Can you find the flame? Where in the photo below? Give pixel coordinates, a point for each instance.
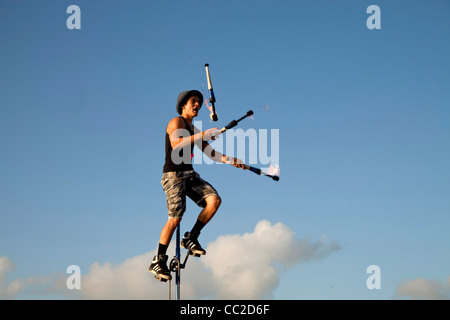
(210, 109)
(205, 94)
(274, 170)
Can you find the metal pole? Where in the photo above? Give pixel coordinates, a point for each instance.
(170, 289)
(178, 256)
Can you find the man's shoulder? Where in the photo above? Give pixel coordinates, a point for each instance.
(176, 123)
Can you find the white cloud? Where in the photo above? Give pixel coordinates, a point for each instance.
(8, 291)
(245, 266)
(421, 288)
(49, 284)
(129, 280)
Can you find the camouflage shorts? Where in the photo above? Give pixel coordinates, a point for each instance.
(178, 185)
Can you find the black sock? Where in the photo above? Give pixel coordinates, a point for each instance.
(197, 227)
(162, 249)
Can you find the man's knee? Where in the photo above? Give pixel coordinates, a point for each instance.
(213, 201)
(173, 223)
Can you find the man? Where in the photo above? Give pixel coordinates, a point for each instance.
(180, 180)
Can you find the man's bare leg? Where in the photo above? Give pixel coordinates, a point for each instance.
(212, 205)
(168, 230)
(159, 263)
(189, 240)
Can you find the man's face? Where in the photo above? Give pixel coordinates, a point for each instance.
(192, 106)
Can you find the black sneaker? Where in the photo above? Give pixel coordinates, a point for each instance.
(159, 268)
(190, 243)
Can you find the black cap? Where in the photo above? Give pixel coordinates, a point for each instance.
(184, 96)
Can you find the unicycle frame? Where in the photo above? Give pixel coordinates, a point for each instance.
(176, 266)
(179, 266)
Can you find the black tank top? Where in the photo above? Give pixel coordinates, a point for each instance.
(186, 163)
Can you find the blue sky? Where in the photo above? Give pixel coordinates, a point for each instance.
(362, 117)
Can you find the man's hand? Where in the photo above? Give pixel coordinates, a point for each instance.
(235, 162)
(210, 134)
